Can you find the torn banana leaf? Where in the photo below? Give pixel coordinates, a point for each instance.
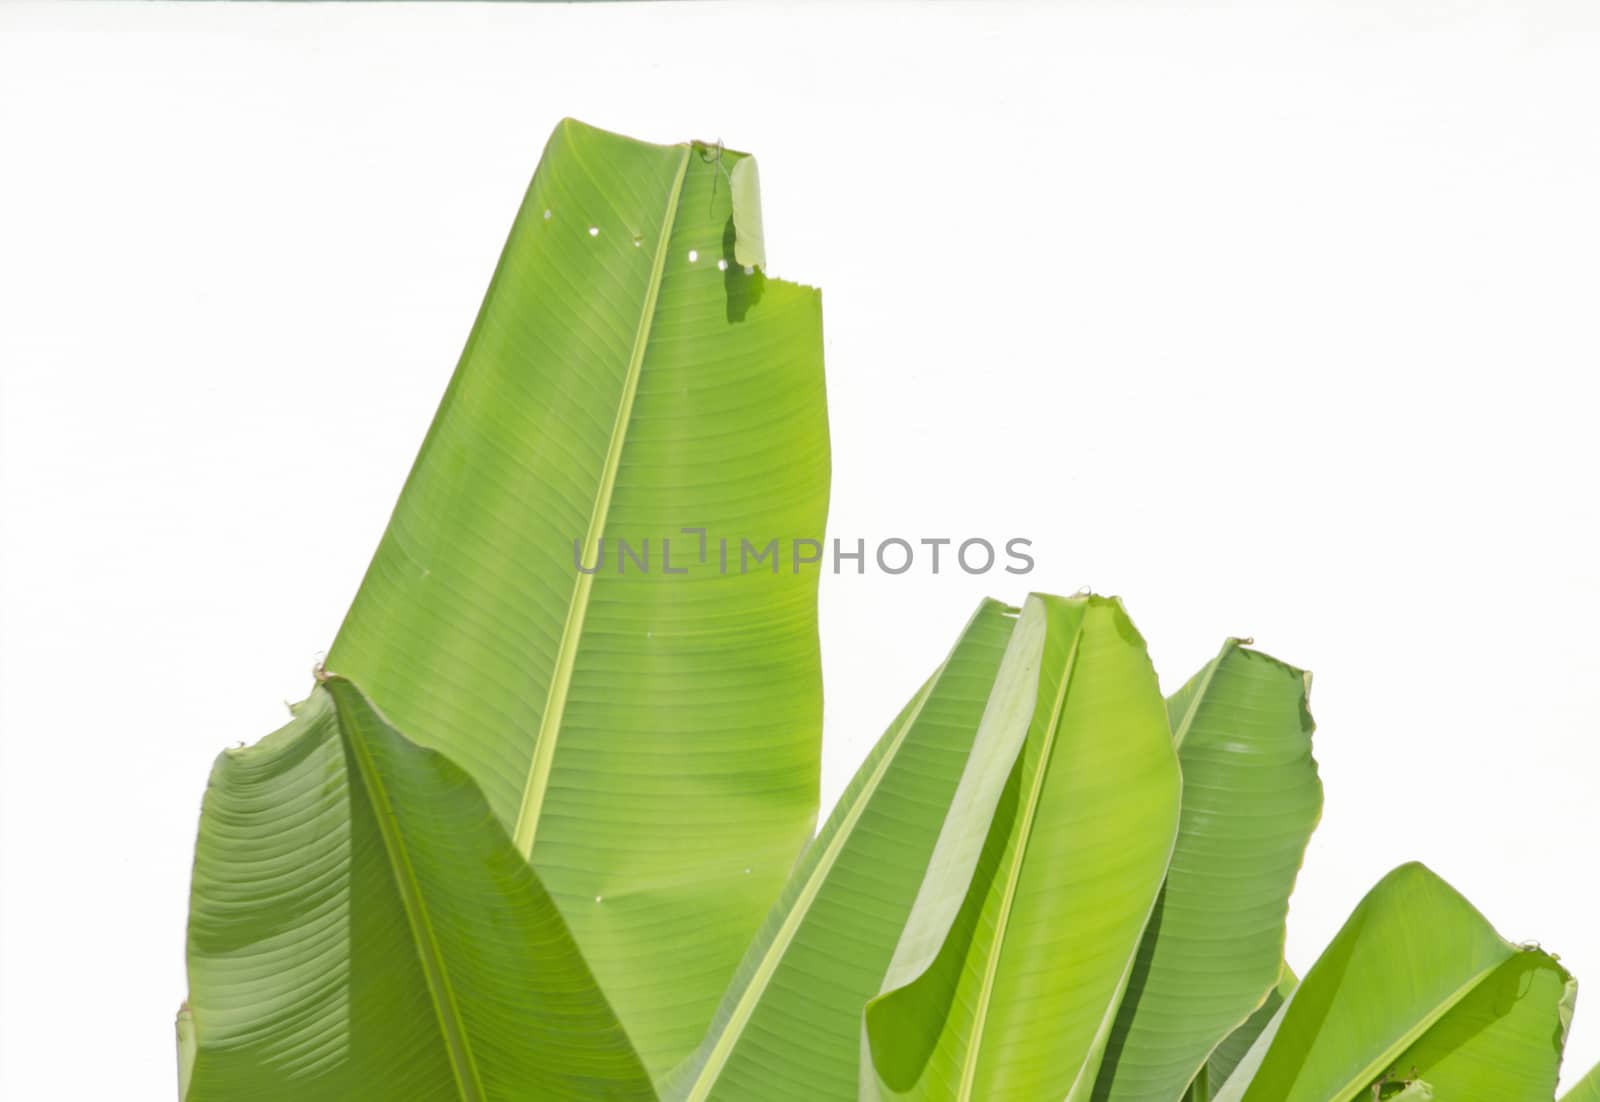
(641, 705)
(1416, 988)
(361, 927)
(1214, 947)
(1007, 978)
(789, 1027)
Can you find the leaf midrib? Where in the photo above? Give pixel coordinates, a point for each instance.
(544, 746)
(440, 992)
(1375, 1068)
(969, 1069)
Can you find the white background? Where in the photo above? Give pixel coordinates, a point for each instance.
(1275, 320)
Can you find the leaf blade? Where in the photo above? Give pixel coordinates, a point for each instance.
(647, 735)
(1214, 947)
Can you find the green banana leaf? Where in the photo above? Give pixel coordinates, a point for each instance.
(649, 733)
(789, 1026)
(1214, 947)
(1006, 981)
(1586, 1089)
(1227, 1056)
(1416, 988)
(361, 927)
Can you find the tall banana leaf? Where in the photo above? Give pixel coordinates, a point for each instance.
(1214, 947)
(1586, 1089)
(1006, 981)
(648, 732)
(1418, 992)
(789, 1025)
(362, 927)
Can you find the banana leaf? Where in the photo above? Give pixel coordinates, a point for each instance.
(789, 1026)
(640, 704)
(1416, 993)
(1214, 948)
(361, 926)
(1006, 981)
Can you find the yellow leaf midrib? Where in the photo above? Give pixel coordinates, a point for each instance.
(440, 990)
(544, 747)
(969, 1068)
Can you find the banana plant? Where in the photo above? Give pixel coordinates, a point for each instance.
(533, 834)
(641, 705)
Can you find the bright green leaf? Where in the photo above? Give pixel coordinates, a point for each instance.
(789, 1027)
(1006, 982)
(1417, 985)
(1214, 947)
(650, 737)
(362, 927)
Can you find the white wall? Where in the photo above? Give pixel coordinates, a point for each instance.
(1276, 320)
